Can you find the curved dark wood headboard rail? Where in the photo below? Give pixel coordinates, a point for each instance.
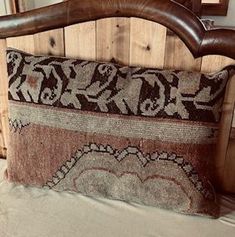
(166, 12)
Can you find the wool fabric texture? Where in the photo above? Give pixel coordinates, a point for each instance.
(136, 134)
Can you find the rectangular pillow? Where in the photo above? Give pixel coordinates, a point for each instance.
(135, 134)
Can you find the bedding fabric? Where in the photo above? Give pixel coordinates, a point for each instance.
(33, 212)
(134, 134)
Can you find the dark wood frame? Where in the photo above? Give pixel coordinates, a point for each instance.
(14, 5)
(206, 9)
(196, 6)
(193, 5)
(218, 9)
(166, 12)
(17, 6)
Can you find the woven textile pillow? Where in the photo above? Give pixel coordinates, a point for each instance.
(133, 134)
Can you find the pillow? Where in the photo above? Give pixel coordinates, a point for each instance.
(136, 134)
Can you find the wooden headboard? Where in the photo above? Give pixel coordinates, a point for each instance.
(155, 33)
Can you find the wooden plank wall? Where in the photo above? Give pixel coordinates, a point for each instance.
(118, 39)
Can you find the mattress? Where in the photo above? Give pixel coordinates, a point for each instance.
(33, 212)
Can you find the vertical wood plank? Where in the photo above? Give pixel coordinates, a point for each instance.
(222, 162)
(213, 63)
(3, 148)
(226, 147)
(230, 167)
(50, 42)
(233, 125)
(113, 39)
(178, 56)
(3, 100)
(24, 43)
(80, 41)
(147, 43)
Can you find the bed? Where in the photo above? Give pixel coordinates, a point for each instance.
(171, 36)
(35, 212)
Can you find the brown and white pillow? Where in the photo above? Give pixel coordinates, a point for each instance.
(128, 133)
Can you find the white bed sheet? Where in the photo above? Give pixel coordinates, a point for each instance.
(32, 212)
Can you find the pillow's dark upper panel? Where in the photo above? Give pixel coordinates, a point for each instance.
(110, 88)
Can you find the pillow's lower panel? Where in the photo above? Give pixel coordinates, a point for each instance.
(156, 162)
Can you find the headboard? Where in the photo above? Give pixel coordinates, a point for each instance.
(155, 33)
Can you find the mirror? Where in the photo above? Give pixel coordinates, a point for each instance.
(16, 6)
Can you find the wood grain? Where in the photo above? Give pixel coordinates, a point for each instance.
(24, 43)
(229, 178)
(113, 40)
(83, 43)
(233, 124)
(3, 148)
(232, 134)
(50, 42)
(218, 9)
(194, 5)
(3, 100)
(213, 63)
(223, 162)
(147, 43)
(178, 56)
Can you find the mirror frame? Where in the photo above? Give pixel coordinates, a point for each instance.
(193, 5)
(215, 9)
(206, 9)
